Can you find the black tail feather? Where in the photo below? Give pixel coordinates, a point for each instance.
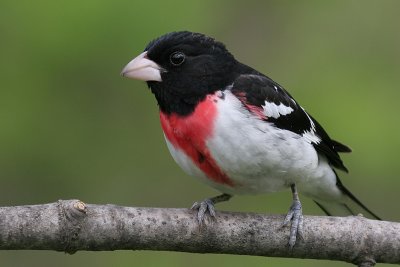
(350, 205)
(339, 147)
(355, 200)
(323, 208)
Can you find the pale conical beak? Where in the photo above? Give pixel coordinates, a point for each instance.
(143, 69)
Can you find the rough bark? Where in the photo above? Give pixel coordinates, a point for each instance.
(72, 225)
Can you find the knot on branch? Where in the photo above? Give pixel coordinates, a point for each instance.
(367, 262)
(71, 216)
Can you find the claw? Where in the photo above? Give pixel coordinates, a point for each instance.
(204, 207)
(295, 216)
(207, 207)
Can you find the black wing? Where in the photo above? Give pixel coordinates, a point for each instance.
(260, 93)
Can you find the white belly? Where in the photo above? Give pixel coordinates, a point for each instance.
(257, 156)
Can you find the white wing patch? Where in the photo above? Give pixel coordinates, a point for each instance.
(275, 111)
(310, 135)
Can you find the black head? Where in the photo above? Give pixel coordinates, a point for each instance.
(181, 68)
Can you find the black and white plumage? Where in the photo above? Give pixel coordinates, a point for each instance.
(238, 130)
(283, 111)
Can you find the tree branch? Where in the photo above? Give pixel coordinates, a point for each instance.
(71, 225)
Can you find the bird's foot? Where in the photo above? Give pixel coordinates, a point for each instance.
(203, 208)
(295, 215)
(206, 207)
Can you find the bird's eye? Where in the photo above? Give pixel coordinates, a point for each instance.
(177, 58)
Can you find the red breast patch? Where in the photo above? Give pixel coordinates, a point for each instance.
(190, 133)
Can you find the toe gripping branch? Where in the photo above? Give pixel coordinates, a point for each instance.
(207, 206)
(295, 216)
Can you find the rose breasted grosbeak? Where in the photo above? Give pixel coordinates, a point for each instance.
(238, 130)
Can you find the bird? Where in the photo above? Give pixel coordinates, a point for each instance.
(239, 131)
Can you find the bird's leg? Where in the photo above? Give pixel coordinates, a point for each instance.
(295, 215)
(207, 206)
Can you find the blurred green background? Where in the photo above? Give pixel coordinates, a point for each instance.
(71, 127)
